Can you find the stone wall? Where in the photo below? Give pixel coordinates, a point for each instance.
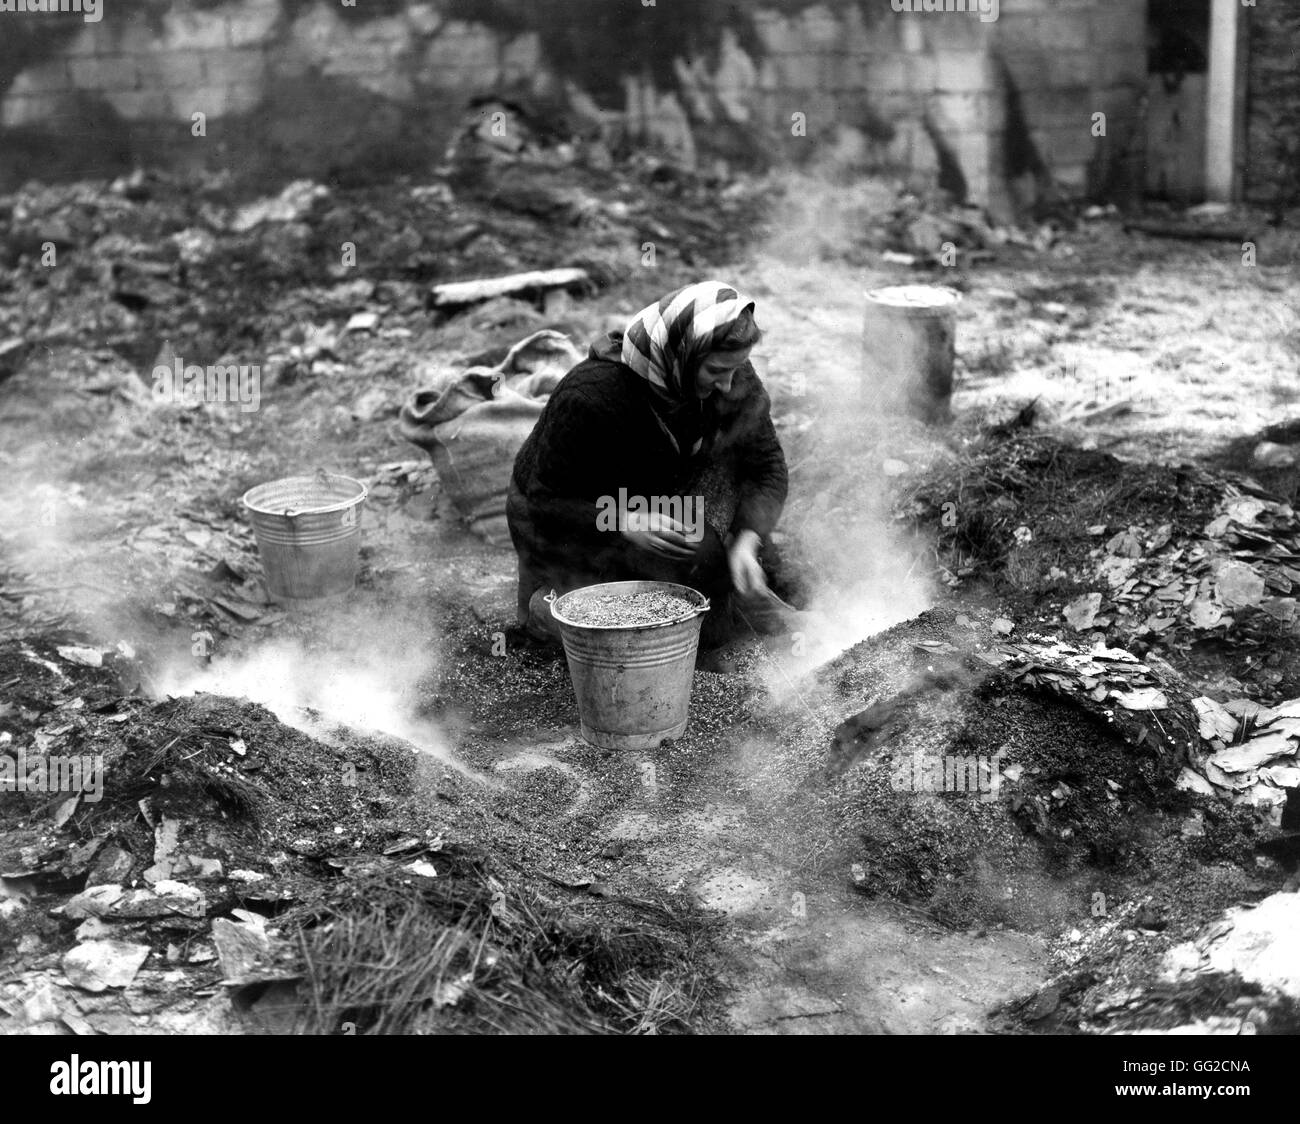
(1273, 104)
(286, 87)
(1000, 109)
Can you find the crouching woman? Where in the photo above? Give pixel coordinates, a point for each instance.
(654, 459)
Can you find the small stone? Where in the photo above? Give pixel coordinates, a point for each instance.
(423, 868)
(85, 657)
(99, 965)
(196, 866)
(1267, 454)
(1125, 545)
(362, 322)
(1204, 613)
(166, 898)
(42, 1005)
(1238, 585)
(202, 954)
(1185, 957)
(93, 902)
(112, 866)
(1082, 611)
(78, 1025)
(92, 929)
(242, 946)
(1043, 1004)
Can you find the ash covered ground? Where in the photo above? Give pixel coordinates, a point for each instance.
(381, 816)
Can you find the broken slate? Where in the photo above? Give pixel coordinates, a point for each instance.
(1238, 585)
(112, 867)
(94, 901)
(242, 946)
(1082, 611)
(99, 965)
(167, 898)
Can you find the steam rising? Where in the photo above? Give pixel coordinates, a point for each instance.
(363, 672)
(865, 577)
(310, 689)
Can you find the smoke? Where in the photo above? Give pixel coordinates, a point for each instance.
(308, 689)
(867, 580)
(817, 221)
(845, 453)
(49, 553)
(356, 665)
(365, 673)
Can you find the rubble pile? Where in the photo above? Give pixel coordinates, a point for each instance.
(1234, 974)
(1252, 752)
(147, 261)
(990, 780)
(1240, 575)
(218, 871)
(1238, 750)
(1197, 564)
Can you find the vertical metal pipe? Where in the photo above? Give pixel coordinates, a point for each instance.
(1221, 103)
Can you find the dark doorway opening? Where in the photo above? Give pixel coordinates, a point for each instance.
(1178, 54)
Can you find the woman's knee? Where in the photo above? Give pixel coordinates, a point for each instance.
(541, 624)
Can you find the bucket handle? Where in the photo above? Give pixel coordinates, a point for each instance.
(322, 478)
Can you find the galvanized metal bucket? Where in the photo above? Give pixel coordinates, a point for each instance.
(909, 339)
(632, 683)
(308, 532)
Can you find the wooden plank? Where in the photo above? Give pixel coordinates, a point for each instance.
(458, 293)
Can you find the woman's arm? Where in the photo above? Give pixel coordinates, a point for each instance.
(763, 485)
(764, 479)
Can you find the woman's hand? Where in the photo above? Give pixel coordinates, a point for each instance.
(746, 573)
(659, 534)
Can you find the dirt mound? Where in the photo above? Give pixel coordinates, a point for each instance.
(1200, 565)
(227, 872)
(915, 770)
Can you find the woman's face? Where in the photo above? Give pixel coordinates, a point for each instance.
(717, 370)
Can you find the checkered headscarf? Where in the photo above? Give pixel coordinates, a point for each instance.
(664, 341)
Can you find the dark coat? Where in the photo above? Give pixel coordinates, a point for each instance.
(600, 432)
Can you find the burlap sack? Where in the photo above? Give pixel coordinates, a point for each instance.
(474, 422)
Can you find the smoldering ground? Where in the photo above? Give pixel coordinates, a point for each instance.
(356, 663)
(860, 569)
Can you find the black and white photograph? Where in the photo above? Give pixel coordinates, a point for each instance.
(651, 517)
